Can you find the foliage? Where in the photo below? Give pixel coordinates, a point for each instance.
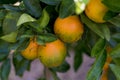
(35, 18)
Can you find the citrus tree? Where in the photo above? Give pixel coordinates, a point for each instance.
(48, 29)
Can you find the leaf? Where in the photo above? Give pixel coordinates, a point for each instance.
(20, 64)
(66, 8)
(44, 19)
(10, 22)
(11, 37)
(33, 7)
(116, 37)
(98, 47)
(43, 38)
(64, 67)
(113, 5)
(115, 21)
(51, 2)
(96, 69)
(93, 26)
(116, 70)
(109, 15)
(25, 18)
(100, 29)
(115, 53)
(77, 58)
(4, 50)
(5, 69)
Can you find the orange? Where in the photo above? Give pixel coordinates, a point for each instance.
(96, 10)
(30, 52)
(52, 54)
(69, 29)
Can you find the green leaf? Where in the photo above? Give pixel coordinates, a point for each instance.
(51, 2)
(116, 37)
(116, 70)
(78, 57)
(96, 69)
(115, 21)
(11, 37)
(4, 50)
(100, 29)
(33, 7)
(64, 67)
(113, 5)
(20, 63)
(109, 15)
(98, 47)
(93, 26)
(115, 53)
(66, 8)
(5, 69)
(44, 19)
(43, 38)
(10, 22)
(25, 18)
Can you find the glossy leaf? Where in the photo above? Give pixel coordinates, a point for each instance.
(115, 21)
(100, 29)
(10, 22)
(25, 18)
(66, 8)
(33, 7)
(43, 20)
(116, 70)
(20, 64)
(51, 2)
(4, 50)
(97, 67)
(43, 38)
(113, 5)
(11, 37)
(115, 53)
(109, 15)
(78, 57)
(98, 47)
(5, 69)
(93, 26)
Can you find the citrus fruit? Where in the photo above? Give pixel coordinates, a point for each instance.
(69, 29)
(30, 52)
(95, 10)
(52, 54)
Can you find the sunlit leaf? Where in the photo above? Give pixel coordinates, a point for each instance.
(97, 67)
(98, 47)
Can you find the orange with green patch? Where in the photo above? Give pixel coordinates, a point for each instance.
(52, 54)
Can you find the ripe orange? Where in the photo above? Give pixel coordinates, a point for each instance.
(69, 29)
(96, 10)
(52, 54)
(30, 52)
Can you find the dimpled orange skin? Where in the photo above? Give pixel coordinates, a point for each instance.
(52, 54)
(68, 29)
(95, 10)
(30, 52)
